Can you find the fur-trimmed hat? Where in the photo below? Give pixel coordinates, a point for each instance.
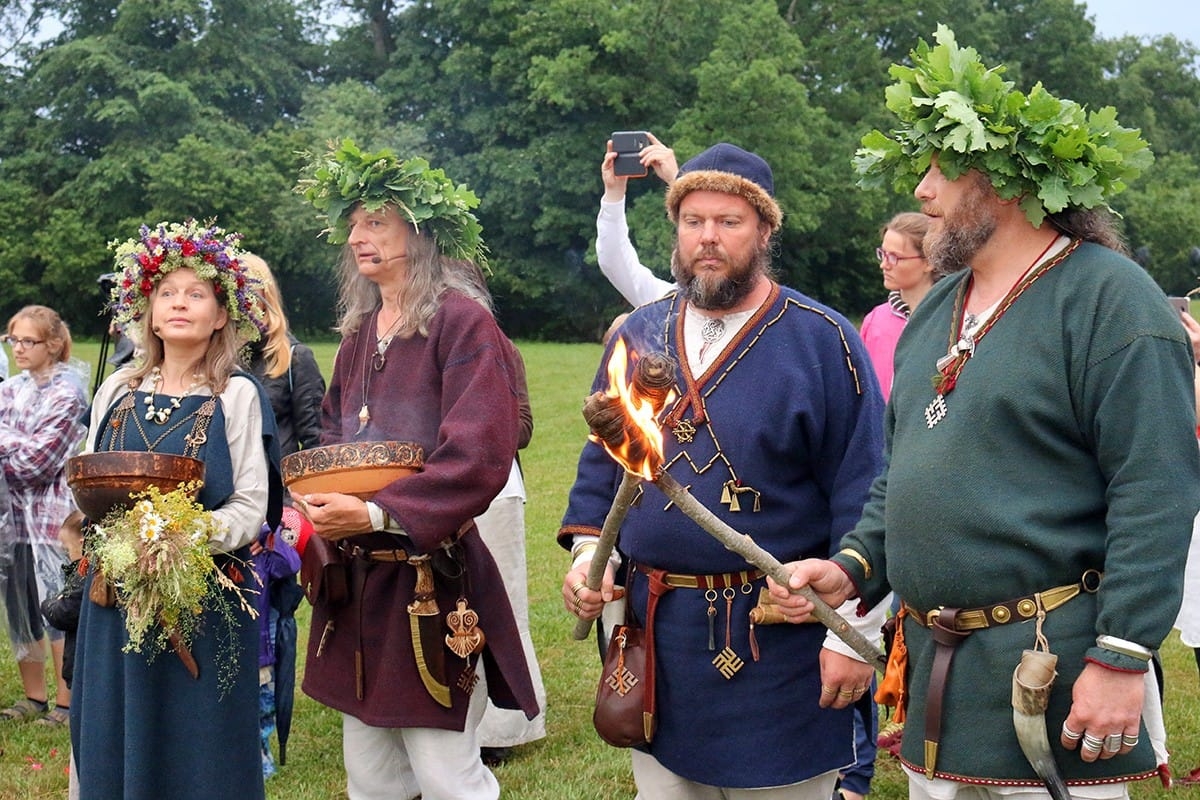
(729, 169)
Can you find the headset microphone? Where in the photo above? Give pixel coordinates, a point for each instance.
(376, 260)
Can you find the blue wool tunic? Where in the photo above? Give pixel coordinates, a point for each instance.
(145, 729)
(791, 424)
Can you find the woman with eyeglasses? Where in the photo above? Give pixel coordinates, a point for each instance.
(40, 409)
(907, 276)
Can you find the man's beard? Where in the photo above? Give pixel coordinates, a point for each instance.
(714, 292)
(964, 231)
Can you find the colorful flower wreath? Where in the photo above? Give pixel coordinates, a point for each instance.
(1051, 153)
(207, 250)
(339, 180)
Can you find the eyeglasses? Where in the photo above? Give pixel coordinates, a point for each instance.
(24, 344)
(892, 259)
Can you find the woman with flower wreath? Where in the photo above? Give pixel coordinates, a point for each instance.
(423, 361)
(39, 429)
(144, 723)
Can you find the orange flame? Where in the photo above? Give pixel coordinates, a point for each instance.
(641, 452)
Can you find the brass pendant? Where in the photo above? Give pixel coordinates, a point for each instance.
(468, 680)
(728, 663)
(467, 637)
(684, 431)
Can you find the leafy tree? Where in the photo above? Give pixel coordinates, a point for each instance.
(147, 110)
(1162, 215)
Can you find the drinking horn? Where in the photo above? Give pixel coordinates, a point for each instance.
(1032, 681)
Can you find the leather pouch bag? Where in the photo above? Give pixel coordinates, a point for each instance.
(102, 592)
(621, 716)
(324, 574)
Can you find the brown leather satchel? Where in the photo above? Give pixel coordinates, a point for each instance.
(102, 592)
(624, 714)
(324, 574)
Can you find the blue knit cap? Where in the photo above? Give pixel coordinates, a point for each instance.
(729, 169)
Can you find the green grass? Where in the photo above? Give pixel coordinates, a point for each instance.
(571, 762)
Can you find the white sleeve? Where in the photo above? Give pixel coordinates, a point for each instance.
(619, 261)
(867, 625)
(246, 509)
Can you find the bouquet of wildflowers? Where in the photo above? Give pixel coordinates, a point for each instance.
(156, 556)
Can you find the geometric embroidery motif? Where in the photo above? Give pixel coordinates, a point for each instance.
(935, 412)
(622, 682)
(728, 663)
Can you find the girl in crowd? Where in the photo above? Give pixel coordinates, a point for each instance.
(39, 430)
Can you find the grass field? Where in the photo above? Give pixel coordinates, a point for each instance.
(571, 762)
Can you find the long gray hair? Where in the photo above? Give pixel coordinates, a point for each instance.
(430, 276)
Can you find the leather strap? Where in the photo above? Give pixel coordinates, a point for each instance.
(658, 587)
(946, 639)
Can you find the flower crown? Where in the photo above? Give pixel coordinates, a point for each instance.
(345, 176)
(1049, 152)
(208, 251)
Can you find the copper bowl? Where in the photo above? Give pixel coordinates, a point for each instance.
(103, 482)
(355, 468)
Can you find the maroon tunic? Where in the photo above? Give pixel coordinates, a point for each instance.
(453, 393)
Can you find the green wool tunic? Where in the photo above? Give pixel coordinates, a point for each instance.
(1069, 444)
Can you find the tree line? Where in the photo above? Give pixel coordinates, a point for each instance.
(144, 110)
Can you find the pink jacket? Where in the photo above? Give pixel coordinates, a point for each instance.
(881, 329)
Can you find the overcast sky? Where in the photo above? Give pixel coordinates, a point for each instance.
(1115, 18)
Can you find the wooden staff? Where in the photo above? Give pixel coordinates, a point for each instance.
(653, 376)
(746, 547)
(609, 422)
(608, 537)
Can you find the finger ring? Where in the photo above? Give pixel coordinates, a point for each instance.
(1129, 741)
(575, 589)
(1070, 735)
(578, 605)
(844, 693)
(1112, 743)
(828, 689)
(1093, 743)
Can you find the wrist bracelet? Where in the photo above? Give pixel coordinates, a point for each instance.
(1124, 647)
(862, 562)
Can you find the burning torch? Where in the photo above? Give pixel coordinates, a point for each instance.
(625, 421)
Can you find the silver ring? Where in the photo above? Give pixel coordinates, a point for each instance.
(1093, 743)
(1112, 743)
(1070, 735)
(1129, 741)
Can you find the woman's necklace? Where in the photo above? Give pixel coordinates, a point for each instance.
(161, 415)
(962, 344)
(378, 360)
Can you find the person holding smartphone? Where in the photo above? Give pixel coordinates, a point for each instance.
(614, 251)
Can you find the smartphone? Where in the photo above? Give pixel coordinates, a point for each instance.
(628, 145)
(1180, 304)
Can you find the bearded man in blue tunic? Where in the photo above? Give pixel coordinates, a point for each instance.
(776, 428)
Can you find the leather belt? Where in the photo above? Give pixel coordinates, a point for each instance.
(722, 580)
(390, 555)
(950, 626)
(1017, 610)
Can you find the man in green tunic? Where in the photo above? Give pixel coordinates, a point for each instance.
(1040, 488)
